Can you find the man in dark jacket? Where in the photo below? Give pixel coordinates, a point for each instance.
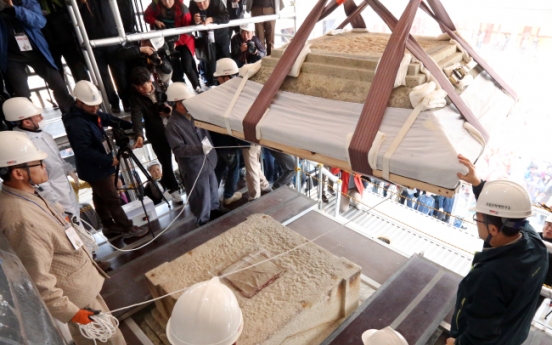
(62, 41)
(212, 12)
(99, 23)
(496, 300)
(242, 53)
(22, 44)
(145, 101)
(96, 164)
(546, 236)
(235, 9)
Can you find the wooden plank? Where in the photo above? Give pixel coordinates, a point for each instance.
(329, 161)
(414, 300)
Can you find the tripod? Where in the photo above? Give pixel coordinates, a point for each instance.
(126, 155)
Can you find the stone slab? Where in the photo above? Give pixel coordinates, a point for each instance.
(302, 306)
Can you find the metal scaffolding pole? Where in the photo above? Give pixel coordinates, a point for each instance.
(91, 62)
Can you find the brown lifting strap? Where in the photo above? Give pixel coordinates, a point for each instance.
(357, 22)
(352, 17)
(380, 91)
(272, 85)
(444, 21)
(433, 68)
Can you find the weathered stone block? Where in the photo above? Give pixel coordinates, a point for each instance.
(302, 306)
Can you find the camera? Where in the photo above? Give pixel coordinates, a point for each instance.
(155, 59)
(121, 136)
(161, 106)
(251, 47)
(203, 17)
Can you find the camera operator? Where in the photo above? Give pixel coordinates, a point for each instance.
(96, 164)
(148, 103)
(168, 14)
(212, 12)
(246, 47)
(151, 54)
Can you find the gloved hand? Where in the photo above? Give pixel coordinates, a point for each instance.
(75, 178)
(83, 316)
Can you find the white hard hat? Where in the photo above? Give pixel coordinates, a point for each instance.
(87, 93)
(226, 66)
(503, 198)
(178, 91)
(385, 336)
(199, 0)
(207, 313)
(16, 148)
(157, 42)
(549, 218)
(19, 108)
(248, 27)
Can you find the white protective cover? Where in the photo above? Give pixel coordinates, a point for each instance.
(428, 153)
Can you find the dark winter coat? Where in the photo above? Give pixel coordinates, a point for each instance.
(86, 137)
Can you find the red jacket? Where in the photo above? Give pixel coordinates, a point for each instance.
(182, 18)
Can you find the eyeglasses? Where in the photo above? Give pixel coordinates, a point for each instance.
(40, 164)
(477, 220)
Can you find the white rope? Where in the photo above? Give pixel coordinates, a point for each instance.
(105, 324)
(102, 327)
(179, 214)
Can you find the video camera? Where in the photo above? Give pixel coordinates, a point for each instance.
(121, 136)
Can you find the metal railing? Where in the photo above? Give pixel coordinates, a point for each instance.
(88, 45)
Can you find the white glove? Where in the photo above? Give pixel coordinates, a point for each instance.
(206, 144)
(75, 178)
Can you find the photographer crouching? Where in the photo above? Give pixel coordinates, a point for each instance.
(246, 47)
(150, 110)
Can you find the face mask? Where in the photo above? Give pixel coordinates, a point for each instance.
(41, 125)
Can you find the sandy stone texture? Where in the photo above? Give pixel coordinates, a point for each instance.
(316, 291)
(341, 67)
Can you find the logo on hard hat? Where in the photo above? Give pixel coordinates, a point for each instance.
(11, 162)
(502, 207)
(93, 97)
(493, 211)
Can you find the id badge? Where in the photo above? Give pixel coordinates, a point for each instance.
(106, 146)
(23, 42)
(73, 237)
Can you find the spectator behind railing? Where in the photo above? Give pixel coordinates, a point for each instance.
(60, 35)
(22, 44)
(213, 44)
(168, 14)
(235, 9)
(246, 47)
(265, 30)
(99, 23)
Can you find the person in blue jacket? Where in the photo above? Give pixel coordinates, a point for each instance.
(496, 301)
(22, 44)
(96, 163)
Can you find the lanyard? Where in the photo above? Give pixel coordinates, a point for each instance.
(42, 208)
